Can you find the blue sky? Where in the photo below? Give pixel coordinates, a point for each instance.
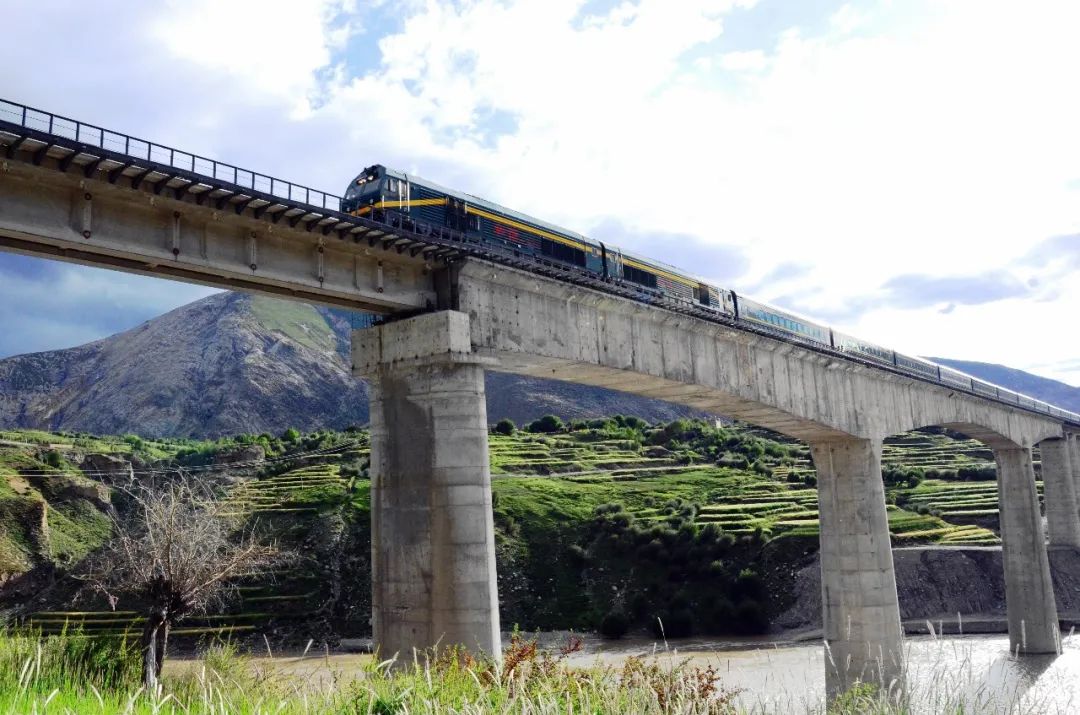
(905, 170)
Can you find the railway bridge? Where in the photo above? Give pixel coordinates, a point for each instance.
(79, 193)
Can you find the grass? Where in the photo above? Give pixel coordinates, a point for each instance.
(752, 485)
(297, 321)
(73, 674)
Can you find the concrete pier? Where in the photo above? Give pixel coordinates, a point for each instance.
(1029, 591)
(433, 539)
(1074, 462)
(861, 615)
(1059, 490)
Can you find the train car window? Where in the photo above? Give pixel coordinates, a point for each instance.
(636, 275)
(562, 252)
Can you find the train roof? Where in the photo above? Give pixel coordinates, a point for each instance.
(489, 205)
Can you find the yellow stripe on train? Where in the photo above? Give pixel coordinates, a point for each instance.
(523, 227)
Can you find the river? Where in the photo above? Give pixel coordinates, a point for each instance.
(944, 671)
(789, 677)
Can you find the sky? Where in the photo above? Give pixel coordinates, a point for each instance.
(907, 171)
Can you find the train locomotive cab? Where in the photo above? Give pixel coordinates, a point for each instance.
(364, 191)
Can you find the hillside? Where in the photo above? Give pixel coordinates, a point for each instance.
(705, 527)
(234, 363)
(1052, 391)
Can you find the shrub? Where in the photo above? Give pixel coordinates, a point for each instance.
(54, 459)
(291, 435)
(677, 623)
(750, 617)
(546, 425)
(505, 426)
(614, 625)
(720, 616)
(977, 472)
(631, 422)
(749, 584)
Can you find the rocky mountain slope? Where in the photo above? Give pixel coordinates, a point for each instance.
(234, 363)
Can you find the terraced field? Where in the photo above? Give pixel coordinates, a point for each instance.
(778, 511)
(568, 454)
(298, 497)
(742, 481)
(306, 490)
(739, 502)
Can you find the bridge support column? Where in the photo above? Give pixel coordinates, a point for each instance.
(1029, 591)
(1060, 495)
(432, 534)
(861, 615)
(1074, 461)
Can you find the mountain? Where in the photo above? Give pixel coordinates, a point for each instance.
(1056, 393)
(234, 363)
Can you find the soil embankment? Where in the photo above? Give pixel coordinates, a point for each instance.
(936, 583)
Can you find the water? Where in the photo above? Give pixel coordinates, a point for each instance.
(944, 672)
(976, 672)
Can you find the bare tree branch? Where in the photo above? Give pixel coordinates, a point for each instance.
(176, 550)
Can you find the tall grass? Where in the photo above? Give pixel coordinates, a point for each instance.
(72, 673)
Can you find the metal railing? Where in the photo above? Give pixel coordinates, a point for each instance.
(90, 135)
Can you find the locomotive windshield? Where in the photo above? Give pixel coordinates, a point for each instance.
(365, 183)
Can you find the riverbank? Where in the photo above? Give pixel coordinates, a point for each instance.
(770, 675)
(956, 589)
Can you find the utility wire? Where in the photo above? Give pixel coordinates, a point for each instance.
(207, 467)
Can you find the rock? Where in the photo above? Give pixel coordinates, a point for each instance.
(233, 363)
(107, 465)
(938, 582)
(241, 454)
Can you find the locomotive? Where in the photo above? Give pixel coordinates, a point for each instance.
(380, 193)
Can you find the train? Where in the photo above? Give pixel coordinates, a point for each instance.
(383, 194)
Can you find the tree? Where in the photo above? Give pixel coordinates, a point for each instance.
(176, 550)
(505, 426)
(546, 425)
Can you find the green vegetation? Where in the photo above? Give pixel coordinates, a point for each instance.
(72, 673)
(686, 526)
(298, 321)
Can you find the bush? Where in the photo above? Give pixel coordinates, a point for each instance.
(54, 459)
(749, 584)
(546, 425)
(750, 617)
(291, 435)
(977, 472)
(631, 422)
(673, 624)
(614, 625)
(505, 426)
(720, 616)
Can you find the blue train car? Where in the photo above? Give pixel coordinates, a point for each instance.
(782, 321)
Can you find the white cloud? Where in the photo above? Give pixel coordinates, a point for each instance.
(903, 138)
(748, 61)
(847, 19)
